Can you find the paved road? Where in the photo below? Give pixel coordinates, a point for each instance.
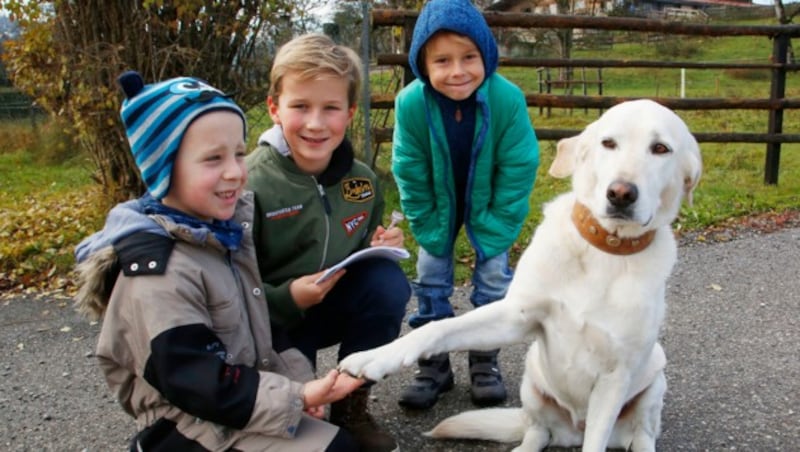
(732, 339)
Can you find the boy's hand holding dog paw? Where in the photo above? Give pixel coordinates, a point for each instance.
(328, 389)
(372, 364)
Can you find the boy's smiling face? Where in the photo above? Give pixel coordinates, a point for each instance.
(314, 115)
(454, 65)
(209, 171)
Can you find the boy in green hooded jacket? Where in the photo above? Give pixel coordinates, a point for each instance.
(464, 154)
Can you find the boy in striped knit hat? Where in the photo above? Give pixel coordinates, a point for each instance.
(186, 344)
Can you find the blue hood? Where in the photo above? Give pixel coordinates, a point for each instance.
(459, 16)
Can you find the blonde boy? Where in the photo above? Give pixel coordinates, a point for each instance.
(316, 204)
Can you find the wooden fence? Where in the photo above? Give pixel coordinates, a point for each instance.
(774, 103)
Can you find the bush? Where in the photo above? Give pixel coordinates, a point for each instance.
(53, 146)
(42, 138)
(16, 135)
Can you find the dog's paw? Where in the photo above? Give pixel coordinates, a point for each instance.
(370, 364)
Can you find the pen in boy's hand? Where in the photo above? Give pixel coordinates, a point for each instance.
(396, 218)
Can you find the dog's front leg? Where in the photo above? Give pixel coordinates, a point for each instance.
(490, 326)
(605, 403)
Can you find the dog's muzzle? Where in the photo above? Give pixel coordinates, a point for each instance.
(621, 197)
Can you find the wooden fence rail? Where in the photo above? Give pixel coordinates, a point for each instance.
(775, 104)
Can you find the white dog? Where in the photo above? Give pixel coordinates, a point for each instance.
(589, 289)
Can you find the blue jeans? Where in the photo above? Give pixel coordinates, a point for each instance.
(434, 285)
(364, 310)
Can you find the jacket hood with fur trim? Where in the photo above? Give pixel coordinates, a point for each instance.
(128, 236)
(97, 263)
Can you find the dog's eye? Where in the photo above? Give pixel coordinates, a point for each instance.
(659, 148)
(608, 143)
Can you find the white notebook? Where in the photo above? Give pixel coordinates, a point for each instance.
(389, 252)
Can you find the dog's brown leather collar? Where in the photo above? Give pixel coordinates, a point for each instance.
(603, 240)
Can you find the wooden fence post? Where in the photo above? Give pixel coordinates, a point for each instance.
(365, 85)
(777, 91)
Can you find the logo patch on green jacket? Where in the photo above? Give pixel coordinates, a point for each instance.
(357, 189)
(352, 224)
(284, 212)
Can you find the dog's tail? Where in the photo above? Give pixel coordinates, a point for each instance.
(504, 425)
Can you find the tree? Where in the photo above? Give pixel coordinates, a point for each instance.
(7, 31)
(70, 52)
(303, 19)
(345, 24)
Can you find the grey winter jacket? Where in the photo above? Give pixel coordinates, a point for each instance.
(186, 337)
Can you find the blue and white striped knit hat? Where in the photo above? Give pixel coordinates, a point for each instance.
(156, 116)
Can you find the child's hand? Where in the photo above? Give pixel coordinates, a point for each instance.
(387, 237)
(332, 387)
(306, 292)
(316, 411)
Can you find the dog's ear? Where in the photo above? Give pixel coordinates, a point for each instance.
(566, 157)
(692, 167)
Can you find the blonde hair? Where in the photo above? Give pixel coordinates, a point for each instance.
(313, 56)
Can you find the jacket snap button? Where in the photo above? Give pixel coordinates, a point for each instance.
(134, 267)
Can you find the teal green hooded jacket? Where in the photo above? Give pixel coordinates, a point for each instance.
(505, 151)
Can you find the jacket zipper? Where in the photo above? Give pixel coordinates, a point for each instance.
(476, 149)
(327, 205)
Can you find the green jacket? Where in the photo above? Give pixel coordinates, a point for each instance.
(305, 224)
(505, 156)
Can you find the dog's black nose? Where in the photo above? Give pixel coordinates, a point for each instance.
(622, 194)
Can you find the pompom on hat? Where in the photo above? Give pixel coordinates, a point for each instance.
(156, 116)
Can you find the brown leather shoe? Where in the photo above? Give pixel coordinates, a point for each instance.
(351, 414)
